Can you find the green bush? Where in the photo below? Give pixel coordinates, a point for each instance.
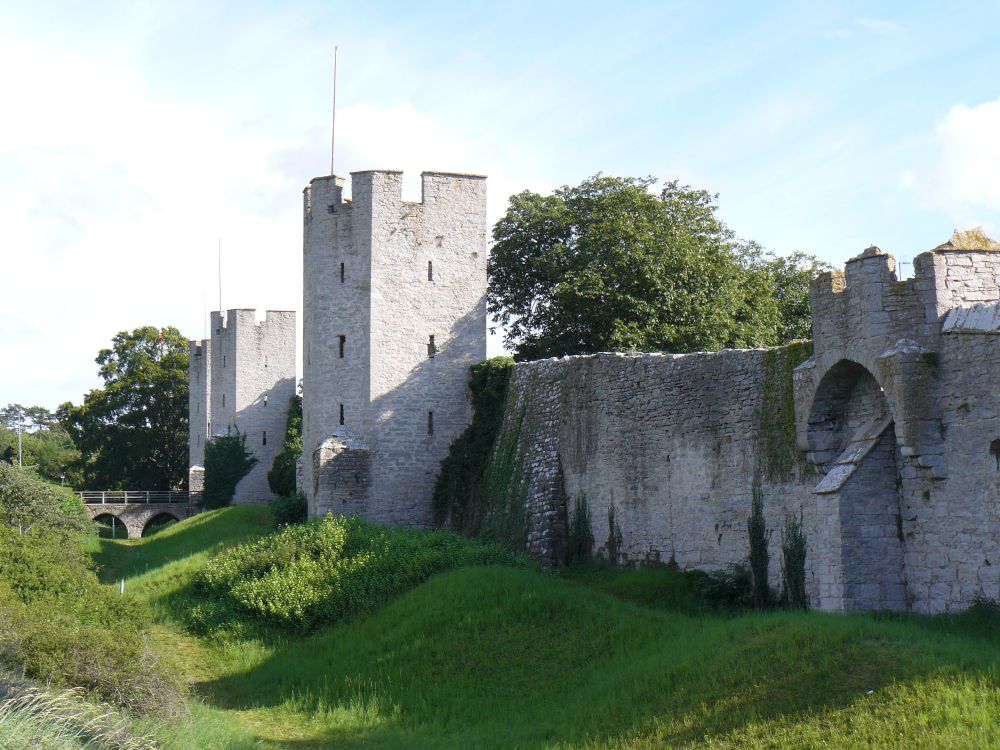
(58, 624)
(458, 483)
(327, 570)
(290, 510)
(281, 477)
(227, 461)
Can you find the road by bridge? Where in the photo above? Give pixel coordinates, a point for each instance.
(136, 511)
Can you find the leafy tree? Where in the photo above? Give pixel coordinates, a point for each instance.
(26, 501)
(792, 274)
(45, 444)
(227, 461)
(609, 265)
(281, 477)
(133, 432)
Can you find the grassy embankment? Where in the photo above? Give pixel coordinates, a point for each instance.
(516, 657)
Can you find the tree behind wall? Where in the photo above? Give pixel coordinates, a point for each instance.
(610, 266)
(133, 432)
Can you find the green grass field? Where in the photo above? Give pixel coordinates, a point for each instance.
(495, 657)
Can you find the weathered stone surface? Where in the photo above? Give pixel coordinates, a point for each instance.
(242, 380)
(897, 413)
(387, 276)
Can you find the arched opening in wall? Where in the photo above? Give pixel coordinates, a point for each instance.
(158, 523)
(848, 398)
(110, 527)
(852, 439)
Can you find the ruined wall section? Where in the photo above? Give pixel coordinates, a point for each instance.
(428, 328)
(673, 442)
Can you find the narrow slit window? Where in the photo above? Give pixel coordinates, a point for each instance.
(223, 360)
(341, 273)
(223, 399)
(265, 437)
(265, 399)
(430, 423)
(343, 340)
(342, 414)
(430, 270)
(431, 348)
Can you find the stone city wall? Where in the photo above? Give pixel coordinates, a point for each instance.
(676, 443)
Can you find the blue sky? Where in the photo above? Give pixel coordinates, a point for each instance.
(136, 134)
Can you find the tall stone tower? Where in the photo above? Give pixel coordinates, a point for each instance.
(242, 379)
(394, 316)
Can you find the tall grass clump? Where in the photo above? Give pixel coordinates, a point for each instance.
(325, 571)
(35, 719)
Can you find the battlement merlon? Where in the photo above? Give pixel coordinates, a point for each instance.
(385, 187)
(959, 273)
(244, 318)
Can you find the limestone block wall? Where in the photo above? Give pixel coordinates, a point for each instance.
(404, 284)
(199, 400)
(676, 443)
(242, 379)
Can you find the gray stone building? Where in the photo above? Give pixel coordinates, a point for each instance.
(394, 314)
(885, 442)
(242, 380)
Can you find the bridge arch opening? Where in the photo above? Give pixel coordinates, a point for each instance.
(110, 526)
(158, 523)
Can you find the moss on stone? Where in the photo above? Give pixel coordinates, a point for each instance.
(780, 459)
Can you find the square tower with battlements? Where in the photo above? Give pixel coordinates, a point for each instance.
(242, 379)
(394, 315)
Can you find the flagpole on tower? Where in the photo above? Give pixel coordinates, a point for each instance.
(333, 123)
(220, 274)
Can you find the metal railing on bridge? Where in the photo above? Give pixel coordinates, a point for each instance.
(105, 497)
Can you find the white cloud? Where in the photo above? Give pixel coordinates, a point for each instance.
(112, 200)
(961, 177)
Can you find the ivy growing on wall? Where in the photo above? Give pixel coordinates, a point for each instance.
(780, 458)
(460, 481)
(281, 477)
(499, 502)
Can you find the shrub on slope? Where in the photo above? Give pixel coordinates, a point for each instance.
(57, 623)
(328, 570)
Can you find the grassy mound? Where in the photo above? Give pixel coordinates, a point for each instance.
(326, 571)
(499, 657)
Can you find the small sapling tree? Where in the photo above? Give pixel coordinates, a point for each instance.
(227, 461)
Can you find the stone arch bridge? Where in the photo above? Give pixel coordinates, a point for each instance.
(136, 511)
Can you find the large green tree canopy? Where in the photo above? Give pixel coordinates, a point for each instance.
(609, 265)
(133, 432)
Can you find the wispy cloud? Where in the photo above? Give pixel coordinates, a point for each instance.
(960, 176)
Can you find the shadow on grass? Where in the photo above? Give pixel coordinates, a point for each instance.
(499, 657)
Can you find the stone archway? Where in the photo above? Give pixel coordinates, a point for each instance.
(112, 527)
(153, 524)
(852, 439)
